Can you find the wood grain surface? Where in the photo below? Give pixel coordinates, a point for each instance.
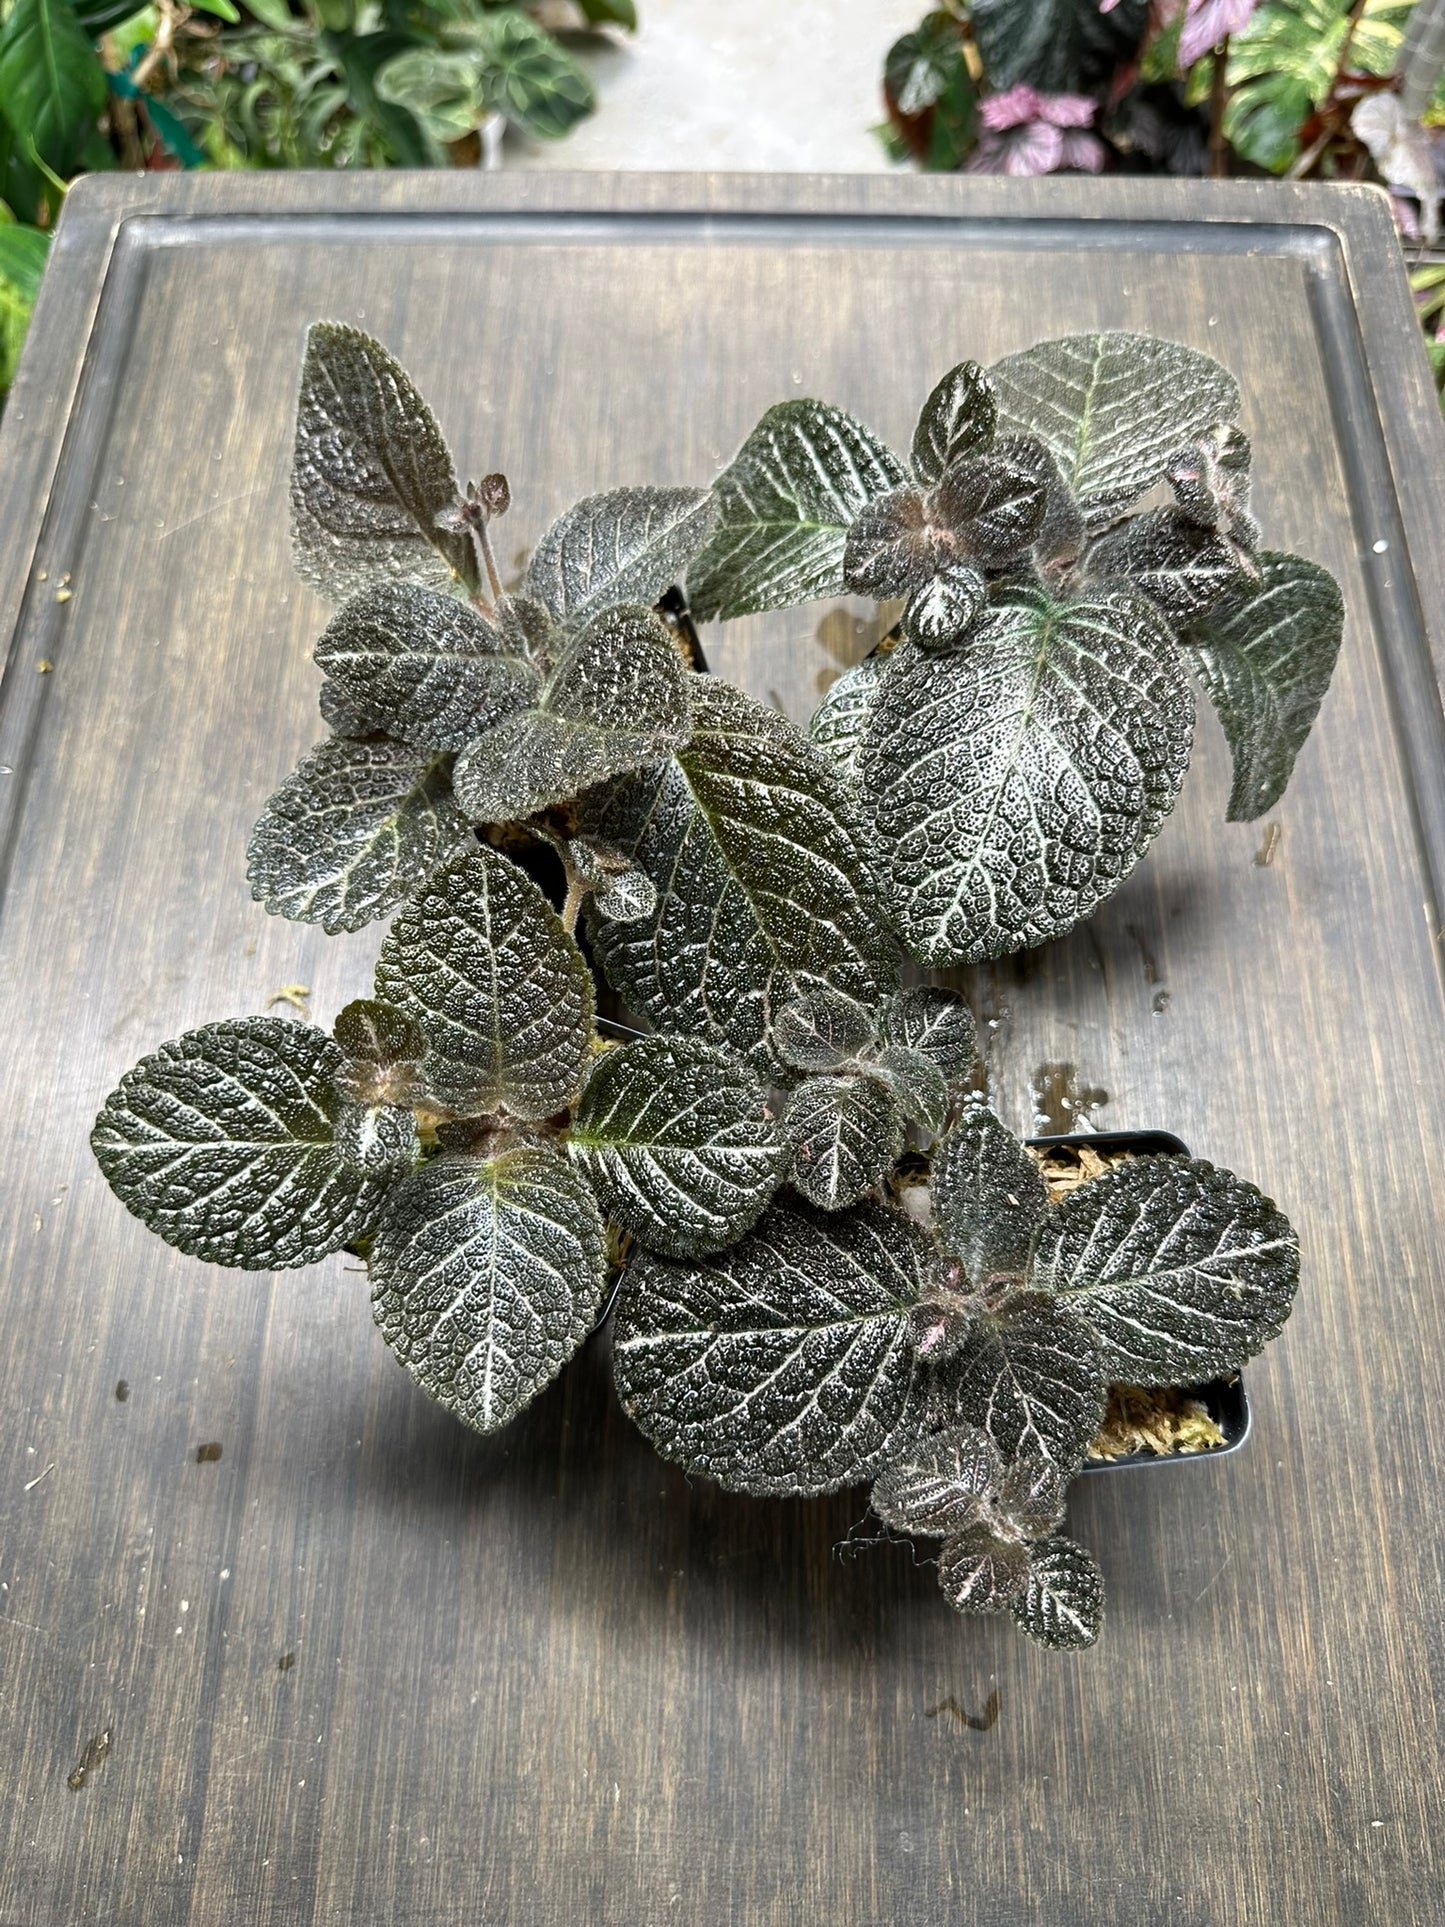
(358, 1666)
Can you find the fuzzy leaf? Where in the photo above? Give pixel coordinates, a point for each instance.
(1055, 46)
(842, 716)
(934, 1021)
(376, 1137)
(919, 1085)
(988, 1197)
(782, 1365)
(1060, 535)
(344, 714)
(431, 668)
(370, 472)
(382, 1048)
(1016, 781)
(753, 843)
(223, 1143)
(995, 508)
(354, 828)
(842, 1133)
(1182, 568)
(675, 1136)
(1030, 1496)
(957, 419)
(480, 960)
(618, 699)
(981, 1573)
(1030, 1376)
(821, 1029)
(786, 504)
(625, 546)
(1112, 409)
(1182, 1270)
(941, 1486)
(486, 1275)
(1266, 657)
(1062, 1602)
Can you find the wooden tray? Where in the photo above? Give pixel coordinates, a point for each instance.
(366, 1668)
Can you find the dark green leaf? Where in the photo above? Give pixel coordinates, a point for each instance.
(99, 16)
(958, 418)
(370, 473)
(383, 1049)
(988, 1198)
(940, 610)
(787, 502)
(480, 960)
(531, 78)
(223, 1143)
(941, 1486)
(1266, 657)
(919, 1085)
(752, 841)
(1060, 536)
(23, 254)
(1112, 409)
(52, 85)
(1062, 1602)
(446, 90)
(351, 831)
(428, 668)
(1182, 568)
(344, 714)
(605, 13)
(982, 1573)
(920, 65)
(486, 1275)
(1016, 781)
(782, 1365)
(821, 1029)
(936, 1022)
(376, 1138)
(618, 700)
(628, 545)
(843, 1133)
(1030, 1376)
(1182, 1270)
(842, 716)
(1030, 1496)
(675, 1135)
(1055, 46)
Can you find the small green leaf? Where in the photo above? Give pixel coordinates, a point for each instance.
(370, 473)
(1062, 1601)
(988, 1198)
(934, 1021)
(1112, 408)
(430, 670)
(782, 1365)
(1182, 568)
(445, 90)
(920, 65)
(958, 419)
(531, 78)
(480, 960)
(919, 1085)
(941, 1486)
(821, 1028)
(840, 719)
(486, 1276)
(843, 1133)
(618, 700)
(52, 85)
(1029, 1375)
(1266, 657)
(383, 1049)
(982, 1573)
(223, 1142)
(1182, 1270)
(354, 828)
(376, 1138)
(675, 1136)
(786, 502)
(628, 545)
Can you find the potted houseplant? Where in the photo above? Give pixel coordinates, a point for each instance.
(832, 1264)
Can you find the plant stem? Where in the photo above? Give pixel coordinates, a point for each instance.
(482, 543)
(577, 888)
(1218, 99)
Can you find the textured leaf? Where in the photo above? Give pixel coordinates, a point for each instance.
(1015, 782)
(1112, 409)
(1062, 1602)
(1182, 1270)
(675, 1136)
(1055, 46)
(625, 546)
(988, 1197)
(344, 714)
(383, 1049)
(376, 1137)
(428, 667)
(957, 419)
(941, 1486)
(353, 829)
(480, 960)
(786, 504)
(1030, 1376)
(1060, 535)
(370, 473)
(618, 699)
(531, 77)
(821, 1029)
(981, 1573)
(1030, 1495)
(222, 1142)
(52, 85)
(784, 1364)
(943, 608)
(486, 1275)
(919, 1085)
(1266, 657)
(994, 508)
(752, 841)
(843, 1133)
(1181, 567)
(936, 1022)
(842, 716)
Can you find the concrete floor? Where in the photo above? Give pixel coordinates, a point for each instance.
(778, 84)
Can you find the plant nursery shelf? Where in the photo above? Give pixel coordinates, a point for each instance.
(281, 1641)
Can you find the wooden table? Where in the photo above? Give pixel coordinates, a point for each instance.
(366, 1668)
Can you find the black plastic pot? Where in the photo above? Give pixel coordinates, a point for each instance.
(1224, 1399)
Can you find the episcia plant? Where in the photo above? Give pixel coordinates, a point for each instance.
(828, 1262)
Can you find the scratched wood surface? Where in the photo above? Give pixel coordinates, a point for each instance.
(353, 1665)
